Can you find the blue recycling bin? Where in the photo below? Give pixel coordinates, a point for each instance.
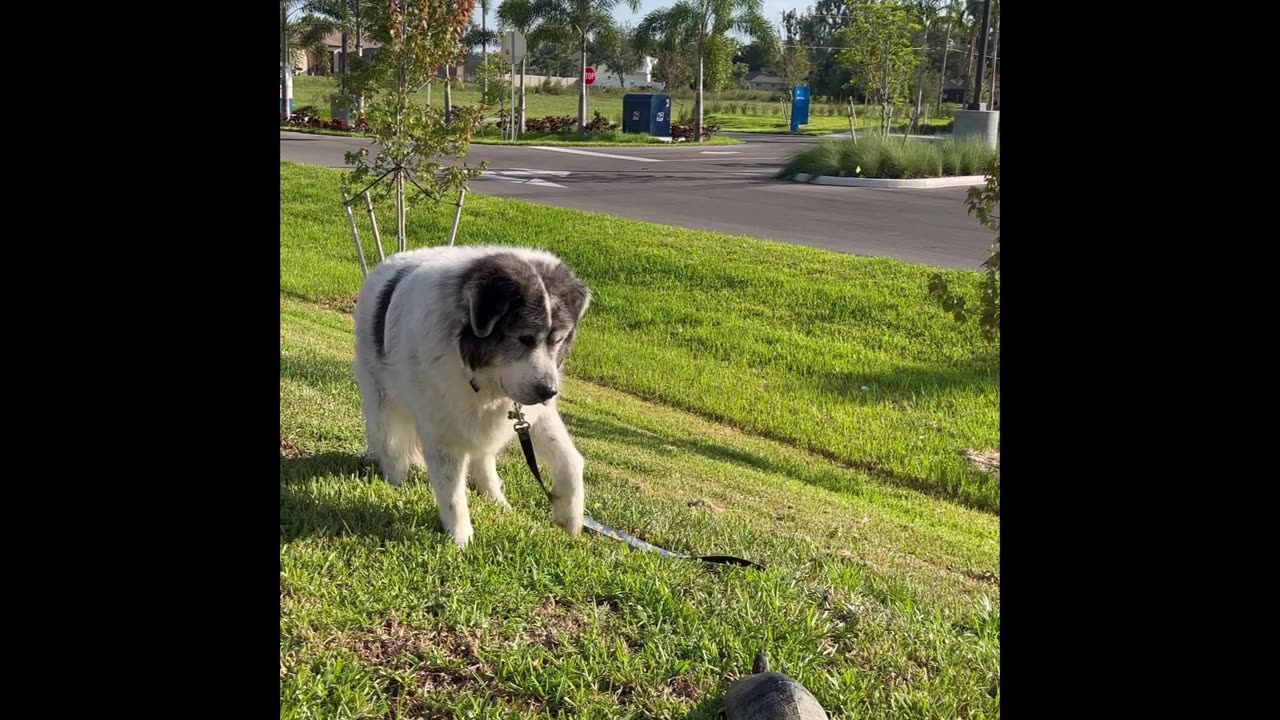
(799, 107)
(645, 113)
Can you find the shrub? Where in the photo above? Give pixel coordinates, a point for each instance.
(305, 117)
(561, 124)
(599, 123)
(683, 131)
(875, 156)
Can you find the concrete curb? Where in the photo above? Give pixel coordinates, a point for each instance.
(940, 182)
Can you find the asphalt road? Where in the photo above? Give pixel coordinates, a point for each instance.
(726, 188)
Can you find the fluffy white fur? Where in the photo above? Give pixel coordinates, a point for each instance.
(419, 405)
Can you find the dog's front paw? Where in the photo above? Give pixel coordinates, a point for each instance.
(570, 520)
(462, 537)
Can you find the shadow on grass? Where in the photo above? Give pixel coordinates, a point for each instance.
(306, 510)
(977, 374)
(841, 478)
(317, 372)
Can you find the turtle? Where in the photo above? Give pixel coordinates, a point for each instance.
(765, 695)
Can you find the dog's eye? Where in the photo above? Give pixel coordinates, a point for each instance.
(528, 340)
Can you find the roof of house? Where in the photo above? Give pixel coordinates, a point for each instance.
(763, 76)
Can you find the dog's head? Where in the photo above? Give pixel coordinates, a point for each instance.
(521, 318)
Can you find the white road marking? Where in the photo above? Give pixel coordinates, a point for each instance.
(594, 154)
(720, 152)
(522, 177)
(555, 173)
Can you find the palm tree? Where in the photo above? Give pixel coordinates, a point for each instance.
(306, 35)
(484, 36)
(348, 18)
(579, 20)
(518, 15)
(695, 24)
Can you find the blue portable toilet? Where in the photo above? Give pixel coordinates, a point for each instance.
(645, 113)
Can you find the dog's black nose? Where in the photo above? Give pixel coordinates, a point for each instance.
(545, 391)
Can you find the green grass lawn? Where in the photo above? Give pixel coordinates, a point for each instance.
(731, 116)
(687, 395)
(841, 355)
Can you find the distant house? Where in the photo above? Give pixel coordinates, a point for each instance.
(305, 64)
(761, 80)
(642, 77)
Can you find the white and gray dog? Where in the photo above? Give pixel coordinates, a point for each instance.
(446, 339)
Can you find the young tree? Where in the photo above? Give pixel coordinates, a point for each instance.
(673, 70)
(578, 20)
(702, 26)
(413, 140)
(878, 51)
(795, 66)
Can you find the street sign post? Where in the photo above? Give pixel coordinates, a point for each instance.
(513, 50)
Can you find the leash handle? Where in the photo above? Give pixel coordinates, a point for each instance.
(526, 444)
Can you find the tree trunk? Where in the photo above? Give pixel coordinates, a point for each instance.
(448, 94)
(343, 79)
(359, 54)
(968, 70)
(697, 102)
(946, 47)
(915, 115)
(582, 89)
(344, 63)
(522, 72)
(884, 94)
(484, 51)
(995, 58)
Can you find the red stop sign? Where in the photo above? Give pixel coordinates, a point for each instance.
(589, 75)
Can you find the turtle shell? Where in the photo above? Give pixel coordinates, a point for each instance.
(771, 696)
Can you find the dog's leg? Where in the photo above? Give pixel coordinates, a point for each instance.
(447, 472)
(400, 444)
(389, 433)
(484, 471)
(552, 443)
(371, 406)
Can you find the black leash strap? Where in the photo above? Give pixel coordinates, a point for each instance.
(526, 444)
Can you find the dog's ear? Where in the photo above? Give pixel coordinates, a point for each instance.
(582, 298)
(490, 292)
(489, 300)
(575, 294)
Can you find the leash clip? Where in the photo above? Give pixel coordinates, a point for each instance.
(521, 424)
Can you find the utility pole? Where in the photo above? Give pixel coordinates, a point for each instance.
(984, 35)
